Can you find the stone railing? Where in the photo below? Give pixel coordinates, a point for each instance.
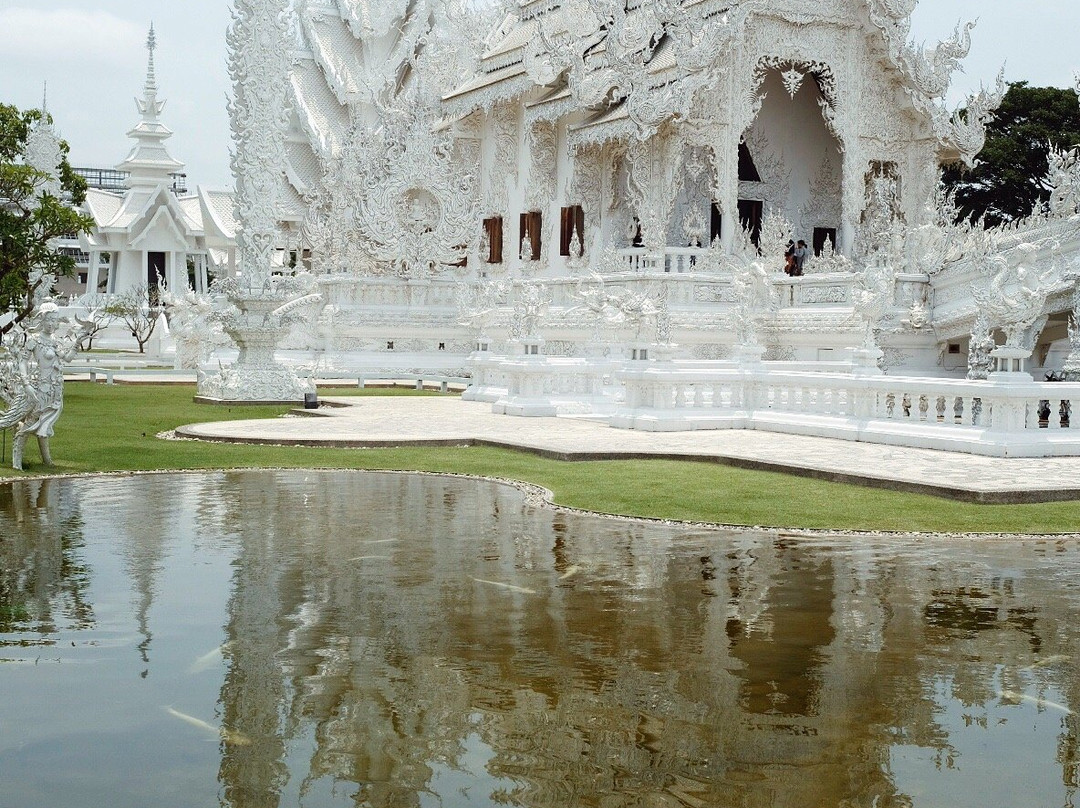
(675, 260)
(538, 385)
(978, 417)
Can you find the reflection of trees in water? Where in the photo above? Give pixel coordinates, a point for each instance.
(43, 577)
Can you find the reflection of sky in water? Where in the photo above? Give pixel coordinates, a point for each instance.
(335, 639)
(1006, 747)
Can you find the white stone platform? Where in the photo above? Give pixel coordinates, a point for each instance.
(435, 421)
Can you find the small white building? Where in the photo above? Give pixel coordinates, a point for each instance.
(148, 231)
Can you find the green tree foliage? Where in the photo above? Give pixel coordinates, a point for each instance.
(30, 218)
(1007, 184)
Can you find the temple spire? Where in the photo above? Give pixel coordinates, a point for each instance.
(149, 164)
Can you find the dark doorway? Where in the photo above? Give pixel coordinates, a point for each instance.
(747, 170)
(822, 237)
(716, 224)
(750, 214)
(155, 268)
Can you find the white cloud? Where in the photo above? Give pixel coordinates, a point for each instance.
(68, 35)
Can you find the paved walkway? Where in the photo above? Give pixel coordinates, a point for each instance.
(385, 421)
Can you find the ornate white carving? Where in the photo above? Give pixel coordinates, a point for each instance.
(872, 297)
(32, 363)
(755, 298)
(194, 326)
(1015, 294)
(1063, 181)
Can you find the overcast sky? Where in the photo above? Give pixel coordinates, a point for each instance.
(92, 54)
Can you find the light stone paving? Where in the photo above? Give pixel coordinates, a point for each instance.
(385, 421)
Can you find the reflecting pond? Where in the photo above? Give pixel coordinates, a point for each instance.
(351, 639)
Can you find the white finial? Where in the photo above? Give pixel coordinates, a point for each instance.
(44, 99)
(151, 45)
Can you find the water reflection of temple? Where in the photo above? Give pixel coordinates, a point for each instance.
(391, 638)
(744, 670)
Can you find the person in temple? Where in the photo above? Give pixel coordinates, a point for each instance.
(789, 257)
(801, 254)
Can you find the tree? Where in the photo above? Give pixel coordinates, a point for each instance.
(138, 308)
(1007, 183)
(32, 216)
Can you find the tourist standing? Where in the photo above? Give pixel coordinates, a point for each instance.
(801, 254)
(789, 258)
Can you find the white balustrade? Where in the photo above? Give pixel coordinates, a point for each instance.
(979, 417)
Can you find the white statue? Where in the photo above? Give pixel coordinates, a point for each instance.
(872, 297)
(194, 327)
(755, 296)
(32, 378)
(1015, 295)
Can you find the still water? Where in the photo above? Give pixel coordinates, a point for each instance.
(347, 639)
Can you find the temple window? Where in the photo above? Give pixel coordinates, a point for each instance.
(493, 227)
(572, 219)
(531, 224)
(716, 223)
(747, 170)
(751, 212)
(823, 236)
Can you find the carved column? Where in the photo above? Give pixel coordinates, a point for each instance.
(1071, 367)
(265, 303)
(726, 150)
(853, 194)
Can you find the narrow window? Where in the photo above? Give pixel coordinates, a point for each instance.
(531, 226)
(572, 220)
(493, 228)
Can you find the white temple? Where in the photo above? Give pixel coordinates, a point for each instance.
(558, 197)
(148, 232)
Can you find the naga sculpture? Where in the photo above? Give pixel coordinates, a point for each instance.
(32, 378)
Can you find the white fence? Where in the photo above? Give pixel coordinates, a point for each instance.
(999, 418)
(978, 417)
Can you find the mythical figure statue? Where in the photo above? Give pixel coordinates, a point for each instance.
(603, 303)
(478, 303)
(1014, 297)
(755, 296)
(532, 301)
(1063, 179)
(873, 295)
(194, 327)
(32, 378)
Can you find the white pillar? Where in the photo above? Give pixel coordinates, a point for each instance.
(92, 272)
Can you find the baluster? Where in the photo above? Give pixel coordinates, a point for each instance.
(1056, 408)
(958, 410)
(699, 396)
(680, 396)
(1033, 415)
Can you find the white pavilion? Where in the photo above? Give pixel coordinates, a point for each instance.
(148, 231)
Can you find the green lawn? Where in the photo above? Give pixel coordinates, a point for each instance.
(113, 428)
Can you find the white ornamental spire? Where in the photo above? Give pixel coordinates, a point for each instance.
(43, 150)
(259, 47)
(149, 164)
